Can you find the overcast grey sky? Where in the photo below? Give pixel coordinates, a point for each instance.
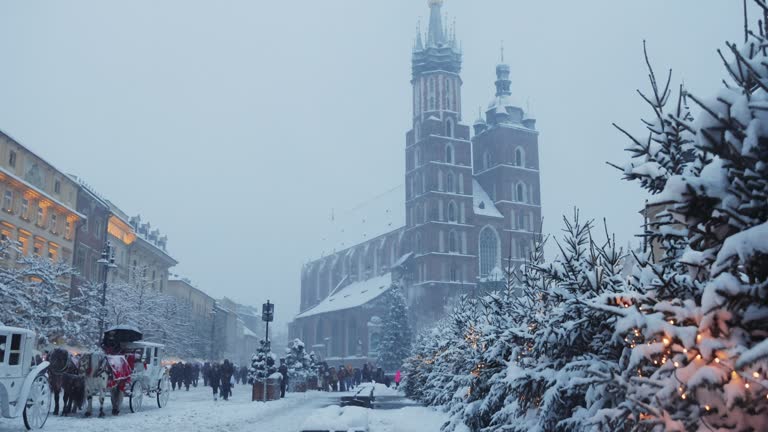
(236, 126)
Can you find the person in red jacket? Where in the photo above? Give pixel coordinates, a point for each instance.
(397, 379)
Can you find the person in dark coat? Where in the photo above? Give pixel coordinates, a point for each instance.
(214, 379)
(206, 370)
(342, 375)
(366, 373)
(283, 369)
(195, 374)
(188, 375)
(244, 374)
(333, 378)
(227, 370)
(177, 373)
(358, 376)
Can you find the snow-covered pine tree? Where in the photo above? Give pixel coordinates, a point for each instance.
(559, 354)
(418, 367)
(263, 363)
(396, 332)
(506, 335)
(298, 361)
(697, 334)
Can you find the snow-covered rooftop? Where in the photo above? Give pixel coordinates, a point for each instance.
(353, 295)
(482, 203)
(378, 215)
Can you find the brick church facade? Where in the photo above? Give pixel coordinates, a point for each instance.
(471, 202)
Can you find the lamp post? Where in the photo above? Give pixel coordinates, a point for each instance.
(108, 262)
(213, 331)
(267, 315)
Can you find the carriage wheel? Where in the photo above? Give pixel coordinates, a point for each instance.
(38, 404)
(163, 391)
(137, 396)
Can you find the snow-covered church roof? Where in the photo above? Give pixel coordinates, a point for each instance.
(378, 215)
(482, 203)
(353, 295)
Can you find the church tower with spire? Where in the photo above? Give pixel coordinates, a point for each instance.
(439, 186)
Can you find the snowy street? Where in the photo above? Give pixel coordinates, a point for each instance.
(195, 411)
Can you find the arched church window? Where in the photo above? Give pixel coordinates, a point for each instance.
(519, 157)
(451, 211)
(432, 93)
(449, 153)
(520, 193)
(453, 242)
(448, 96)
(487, 161)
(416, 131)
(417, 246)
(489, 251)
(417, 158)
(449, 183)
(449, 127)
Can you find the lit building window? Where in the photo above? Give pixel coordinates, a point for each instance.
(489, 251)
(40, 216)
(24, 208)
(8, 200)
(24, 245)
(37, 249)
(54, 221)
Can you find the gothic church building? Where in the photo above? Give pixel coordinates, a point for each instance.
(471, 202)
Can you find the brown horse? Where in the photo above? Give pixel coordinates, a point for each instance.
(63, 377)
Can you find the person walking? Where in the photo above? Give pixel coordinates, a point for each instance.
(214, 380)
(333, 379)
(176, 375)
(226, 379)
(206, 371)
(188, 375)
(350, 377)
(397, 379)
(366, 373)
(342, 378)
(358, 376)
(283, 369)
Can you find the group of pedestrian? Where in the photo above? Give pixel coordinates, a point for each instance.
(342, 378)
(220, 377)
(184, 374)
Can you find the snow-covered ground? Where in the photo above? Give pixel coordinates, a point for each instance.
(195, 411)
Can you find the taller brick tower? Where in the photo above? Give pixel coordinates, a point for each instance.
(438, 174)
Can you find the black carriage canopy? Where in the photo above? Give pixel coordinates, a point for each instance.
(117, 335)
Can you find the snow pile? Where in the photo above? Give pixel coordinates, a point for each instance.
(336, 418)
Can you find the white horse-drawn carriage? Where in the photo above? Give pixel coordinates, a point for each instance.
(24, 390)
(148, 377)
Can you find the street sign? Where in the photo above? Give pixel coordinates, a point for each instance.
(268, 311)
